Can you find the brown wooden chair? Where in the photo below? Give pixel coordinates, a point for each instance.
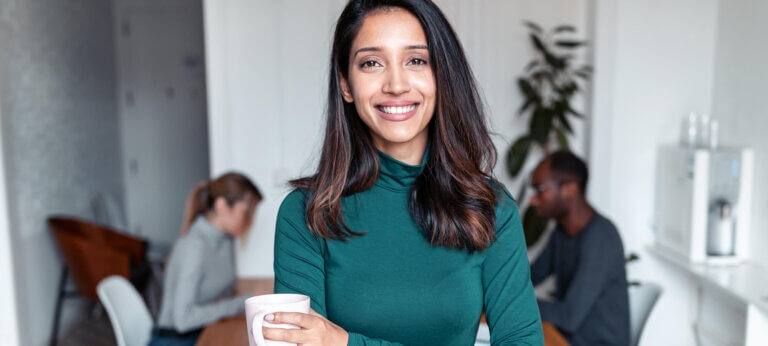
(91, 253)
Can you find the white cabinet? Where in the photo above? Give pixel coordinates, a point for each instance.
(731, 301)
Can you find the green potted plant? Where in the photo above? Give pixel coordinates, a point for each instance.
(548, 85)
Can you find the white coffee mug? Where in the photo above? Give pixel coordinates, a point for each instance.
(259, 306)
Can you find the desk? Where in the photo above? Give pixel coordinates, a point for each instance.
(233, 332)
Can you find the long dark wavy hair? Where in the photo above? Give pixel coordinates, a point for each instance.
(453, 199)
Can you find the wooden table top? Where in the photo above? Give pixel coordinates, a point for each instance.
(552, 336)
(227, 332)
(255, 287)
(233, 331)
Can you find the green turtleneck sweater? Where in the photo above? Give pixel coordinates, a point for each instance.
(391, 287)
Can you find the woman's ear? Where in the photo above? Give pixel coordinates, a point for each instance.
(345, 91)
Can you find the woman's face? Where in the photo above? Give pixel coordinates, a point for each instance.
(239, 217)
(390, 78)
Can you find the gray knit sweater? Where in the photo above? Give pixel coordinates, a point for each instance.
(199, 280)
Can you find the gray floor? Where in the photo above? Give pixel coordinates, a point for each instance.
(90, 331)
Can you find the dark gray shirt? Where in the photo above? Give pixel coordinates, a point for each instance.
(200, 279)
(592, 303)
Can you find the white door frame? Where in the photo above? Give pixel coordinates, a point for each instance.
(9, 317)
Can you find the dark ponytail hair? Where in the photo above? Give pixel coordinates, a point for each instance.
(453, 200)
(232, 186)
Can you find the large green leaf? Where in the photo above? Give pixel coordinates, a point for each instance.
(533, 26)
(540, 125)
(563, 118)
(562, 140)
(517, 154)
(567, 89)
(529, 101)
(533, 226)
(584, 75)
(526, 88)
(574, 112)
(556, 63)
(532, 64)
(539, 45)
(564, 28)
(570, 43)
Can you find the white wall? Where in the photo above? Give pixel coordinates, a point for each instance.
(740, 88)
(59, 116)
(266, 68)
(498, 47)
(163, 125)
(654, 63)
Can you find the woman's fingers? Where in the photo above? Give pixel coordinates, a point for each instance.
(305, 321)
(288, 335)
(316, 330)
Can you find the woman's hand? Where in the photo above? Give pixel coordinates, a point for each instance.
(315, 330)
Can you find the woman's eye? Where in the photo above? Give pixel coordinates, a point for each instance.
(417, 61)
(369, 64)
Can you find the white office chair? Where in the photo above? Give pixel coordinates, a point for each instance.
(641, 301)
(126, 310)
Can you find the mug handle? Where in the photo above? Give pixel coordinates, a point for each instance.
(258, 334)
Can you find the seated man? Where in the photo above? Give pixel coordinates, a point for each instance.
(585, 254)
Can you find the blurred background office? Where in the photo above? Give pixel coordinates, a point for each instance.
(111, 110)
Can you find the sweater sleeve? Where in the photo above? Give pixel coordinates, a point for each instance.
(188, 312)
(509, 300)
(299, 262)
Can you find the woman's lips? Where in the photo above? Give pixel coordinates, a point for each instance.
(397, 111)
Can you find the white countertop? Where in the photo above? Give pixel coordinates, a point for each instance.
(746, 281)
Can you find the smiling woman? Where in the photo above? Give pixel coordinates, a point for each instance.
(403, 235)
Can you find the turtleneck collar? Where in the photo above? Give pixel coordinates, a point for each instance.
(207, 230)
(398, 175)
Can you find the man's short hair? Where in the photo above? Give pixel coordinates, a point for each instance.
(566, 166)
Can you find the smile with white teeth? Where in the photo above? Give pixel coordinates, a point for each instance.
(397, 110)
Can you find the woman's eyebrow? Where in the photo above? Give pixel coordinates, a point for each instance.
(416, 47)
(367, 49)
(378, 49)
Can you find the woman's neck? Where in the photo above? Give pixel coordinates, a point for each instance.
(411, 152)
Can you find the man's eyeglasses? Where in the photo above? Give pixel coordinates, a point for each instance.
(539, 188)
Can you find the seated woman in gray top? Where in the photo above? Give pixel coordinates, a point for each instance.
(200, 275)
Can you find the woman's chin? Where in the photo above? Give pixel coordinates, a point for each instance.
(397, 136)
(397, 139)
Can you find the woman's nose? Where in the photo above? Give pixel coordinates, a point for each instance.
(397, 82)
